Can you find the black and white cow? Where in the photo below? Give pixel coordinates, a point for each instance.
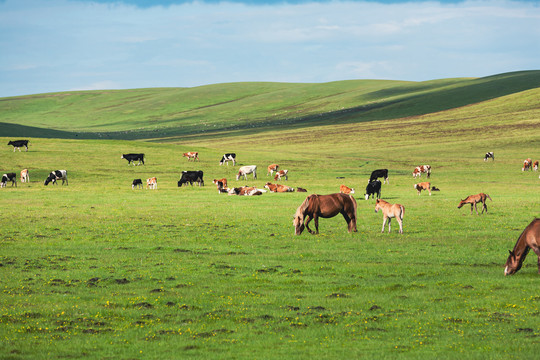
(228, 157)
(380, 173)
(135, 183)
(57, 175)
(9, 177)
(489, 155)
(191, 177)
(17, 144)
(373, 188)
(131, 158)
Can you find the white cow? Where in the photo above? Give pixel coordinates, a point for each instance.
(245, 170)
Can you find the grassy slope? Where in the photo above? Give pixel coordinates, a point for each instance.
(173, 113)
(213, 276)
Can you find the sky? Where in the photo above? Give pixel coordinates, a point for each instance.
(67, 45)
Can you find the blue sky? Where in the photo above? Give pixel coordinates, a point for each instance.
(66, 45)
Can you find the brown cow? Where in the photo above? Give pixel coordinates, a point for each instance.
(151, 183)
(221, 185)
(473, 200)
(527, 164)
(25, 176)
(272, 168)
(345, 189)
(278, 188)
(423, 186)
(535, 165)
(280, 174)
(422, 169)
(192, 155)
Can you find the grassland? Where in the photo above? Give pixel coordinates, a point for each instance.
(98, 270)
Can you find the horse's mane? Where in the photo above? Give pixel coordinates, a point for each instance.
(302, 208)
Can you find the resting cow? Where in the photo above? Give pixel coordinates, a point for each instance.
(345, 189)
(380, 173)
(228, 157)
(17, 144)
(131, 158)
(9, 177)
(278, 188)
(373, 188)
(191, 177)
(423, 186)
(57, 175)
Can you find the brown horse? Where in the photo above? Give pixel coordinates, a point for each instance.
(529, 239)
(391, 211)
(325, 206)
(473, 200)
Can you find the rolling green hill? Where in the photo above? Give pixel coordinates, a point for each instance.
(173, 113)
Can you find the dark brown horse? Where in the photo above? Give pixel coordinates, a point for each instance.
(325, 206)
(529, 239)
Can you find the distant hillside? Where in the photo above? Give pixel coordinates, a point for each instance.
(175, 112)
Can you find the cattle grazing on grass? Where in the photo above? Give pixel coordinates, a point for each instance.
(345, 189)
(422, 169)
(136, 183)
(489, 155)
(527, 164)
(535, 165)
(228, 157)
(192, 155)
(221, 185)
(380, 173)
(280, 174)
(191, 177)
(373, 188)
(18, 144)
(391, 211)
(426, 186)
(151, 183)
(9, 177)
(272, 168)
(56, 175)
(278, 188)
(529, 239)
(25, 176)
(131, 158)
(325, 206)
(245, 170)
(473, 200)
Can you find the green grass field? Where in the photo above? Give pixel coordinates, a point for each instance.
(98, 270)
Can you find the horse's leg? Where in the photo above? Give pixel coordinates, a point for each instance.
(383, 223)
(484, 207)
(306, 222)
(348, 220)
(316, 219)
(476, 209)
(472, 206)
(400, 222)
(389, 224)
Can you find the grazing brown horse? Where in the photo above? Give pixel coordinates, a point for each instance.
(325, 206)
(473, 200)
(391, 211)
(529, 239)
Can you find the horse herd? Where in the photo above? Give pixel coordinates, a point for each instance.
(326, 206)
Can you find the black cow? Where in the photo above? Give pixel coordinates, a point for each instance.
(227, 158)
(489, 155)
(133, 157)
(191, 177)
(378, 174)
(17, 144)
(9, 177)
(373, 188)
(57, 175)
(136, 182)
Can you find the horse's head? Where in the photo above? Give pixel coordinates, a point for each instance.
(298, 221)
(461, 203)
(513, 264)
(377, 206)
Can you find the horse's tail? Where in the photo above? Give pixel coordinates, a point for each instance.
(488, 197)
(402, 211)
(355, 205)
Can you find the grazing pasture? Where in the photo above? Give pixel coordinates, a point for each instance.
(97, 270)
